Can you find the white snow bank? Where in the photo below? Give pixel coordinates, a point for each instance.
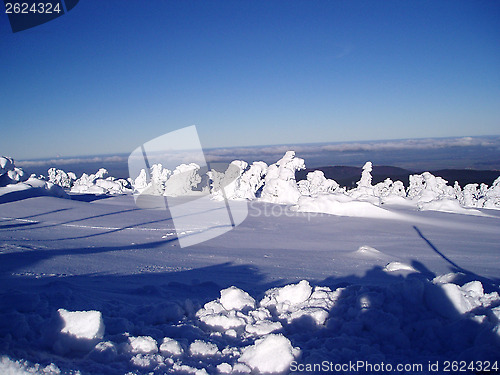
(33, 187)
(343, 205)
(448, 205)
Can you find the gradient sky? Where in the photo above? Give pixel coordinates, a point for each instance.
(111, 75)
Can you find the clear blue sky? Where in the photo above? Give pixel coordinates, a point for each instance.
(110, 75)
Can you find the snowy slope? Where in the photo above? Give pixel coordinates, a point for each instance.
(371, 292)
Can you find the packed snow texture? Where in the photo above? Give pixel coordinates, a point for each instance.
(412, 319)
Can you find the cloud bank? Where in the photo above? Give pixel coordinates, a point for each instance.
(271, 152)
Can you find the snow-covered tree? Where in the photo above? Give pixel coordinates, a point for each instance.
(61, 178)
(280, 185)
(183, 180)
(316, 184)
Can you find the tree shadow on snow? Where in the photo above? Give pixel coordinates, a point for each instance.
(489, 284)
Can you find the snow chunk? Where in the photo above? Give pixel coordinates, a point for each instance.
(272, 354)
(450, 300)
(203, 348)
(398, 266)
(104, 352)
(263, 327)
(292, 294)
(368, 252)
(80, 332)
(142, 344)
(236, 299)
(171, 347)
(82, 324)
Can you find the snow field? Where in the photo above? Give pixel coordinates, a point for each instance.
(414, 319)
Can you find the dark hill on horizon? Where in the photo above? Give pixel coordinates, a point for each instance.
(348, 176)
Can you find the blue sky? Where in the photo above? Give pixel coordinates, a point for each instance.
(111, 75)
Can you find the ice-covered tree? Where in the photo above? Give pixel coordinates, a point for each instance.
(183, 180)
(366, 176)
(61, 178)
(316, 183)
(280, 185)
(426, 187)
(9, 173)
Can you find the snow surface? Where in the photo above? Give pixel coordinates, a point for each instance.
(102, 286)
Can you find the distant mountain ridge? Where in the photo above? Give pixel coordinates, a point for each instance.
(348, 176)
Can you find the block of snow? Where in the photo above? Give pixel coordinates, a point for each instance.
(292, 294)
(81, 330)
(236, 299)
(398, 266)
(263, 327)
(142, 344)
(170, 347)
(104, 352)
(272, 354)
(82, 324)
(203, 349)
